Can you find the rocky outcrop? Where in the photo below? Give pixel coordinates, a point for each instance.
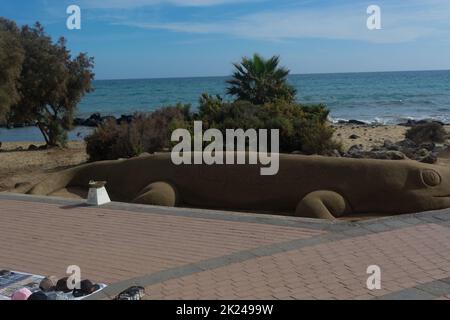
(93, 120)
(405, 149)
(96, 119)
(412, 123)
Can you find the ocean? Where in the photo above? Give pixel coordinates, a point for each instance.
(378, 97)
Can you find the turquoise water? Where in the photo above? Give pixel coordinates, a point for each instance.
(383, 97)
(387, 97)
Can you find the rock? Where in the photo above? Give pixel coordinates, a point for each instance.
(356, 147)
(354, 137)
(108, 118)
(377, 149)
(385, 155)
(93, 121)
(90, 123)
(78, 122)
(125, 119)
(432, 132)
(389, 145)
(412, 123)
(422, 152)
(431, 158)
(407, 143)
(356, 122)
(33, 147)
(439, 148)
(428, 146)
(334, 153)
(395, 155)
(352, 121)
(18, 149)
(355, 151)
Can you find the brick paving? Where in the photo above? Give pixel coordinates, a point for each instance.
(407, 258)
(112, 245)
(198, 254)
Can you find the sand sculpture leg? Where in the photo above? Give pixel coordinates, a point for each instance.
(158, 194)
(322, 205)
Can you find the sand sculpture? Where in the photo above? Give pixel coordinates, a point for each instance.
(305, 186)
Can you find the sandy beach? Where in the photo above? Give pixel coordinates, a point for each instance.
(370, 136)
(27, 167)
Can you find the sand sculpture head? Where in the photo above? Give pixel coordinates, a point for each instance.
(435, 186)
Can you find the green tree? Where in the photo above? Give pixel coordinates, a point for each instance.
(260, 81)
(51, 84)
(11, 59)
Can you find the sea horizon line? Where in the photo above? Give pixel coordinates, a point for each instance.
(292, 74)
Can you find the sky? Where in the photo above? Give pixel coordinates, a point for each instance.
(191, 38)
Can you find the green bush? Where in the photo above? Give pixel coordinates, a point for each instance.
(302, 128)
(156, 128)
(427, 132)
(103, 143)
(146, 133)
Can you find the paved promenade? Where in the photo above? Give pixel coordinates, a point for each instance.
(201, 254)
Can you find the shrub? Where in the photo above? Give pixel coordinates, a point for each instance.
(146, 133)
(156, 128)
(427, 132)
(103, 143)
(302, 128)
(316, 137)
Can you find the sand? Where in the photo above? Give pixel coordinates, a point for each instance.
(374, 136)
(30, 166)
(370, 136)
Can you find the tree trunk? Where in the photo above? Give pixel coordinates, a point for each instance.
(44, 133)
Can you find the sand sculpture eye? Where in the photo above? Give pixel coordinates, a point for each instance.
(431, 178)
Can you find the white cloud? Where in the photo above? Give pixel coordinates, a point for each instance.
(125, 4)
(401, 22)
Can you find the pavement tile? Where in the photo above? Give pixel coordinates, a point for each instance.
(189, 255)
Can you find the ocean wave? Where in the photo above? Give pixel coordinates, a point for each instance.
(390, 120)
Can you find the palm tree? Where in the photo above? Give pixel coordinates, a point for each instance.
(260, 81)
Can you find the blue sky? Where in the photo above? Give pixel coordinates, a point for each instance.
(182, 38)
